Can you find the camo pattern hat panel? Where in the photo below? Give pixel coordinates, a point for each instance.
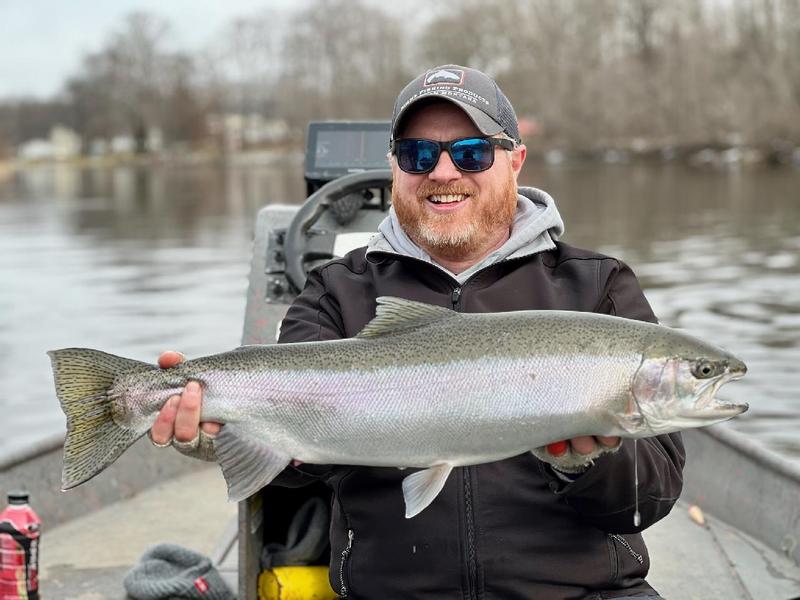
(474, 92)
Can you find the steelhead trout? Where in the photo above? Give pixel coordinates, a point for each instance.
(421, 386)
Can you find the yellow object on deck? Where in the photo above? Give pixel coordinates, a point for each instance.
(295, 583)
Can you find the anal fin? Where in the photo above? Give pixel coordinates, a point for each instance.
(247, 464)
(422, 487)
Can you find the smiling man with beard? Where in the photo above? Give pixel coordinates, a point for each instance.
(457, 217)
(558, 523)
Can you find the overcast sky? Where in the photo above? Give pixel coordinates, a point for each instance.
(42, 41)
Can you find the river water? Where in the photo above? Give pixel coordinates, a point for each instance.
(139, 260)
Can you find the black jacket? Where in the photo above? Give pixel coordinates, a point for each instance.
(504, 530)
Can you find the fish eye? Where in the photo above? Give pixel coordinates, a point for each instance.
(704, 369)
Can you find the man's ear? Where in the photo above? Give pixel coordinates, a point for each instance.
(518, 155)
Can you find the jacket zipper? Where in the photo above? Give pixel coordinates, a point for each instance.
(469, 513)
(469, 517)
(343, 591)
(455, 296)
(624, 543)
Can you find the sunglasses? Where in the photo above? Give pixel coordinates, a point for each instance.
(469, 154)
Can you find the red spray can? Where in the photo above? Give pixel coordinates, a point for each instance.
(19, 549)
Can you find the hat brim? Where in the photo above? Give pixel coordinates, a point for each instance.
(485, 124)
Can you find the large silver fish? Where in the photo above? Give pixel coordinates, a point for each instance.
(420, 386)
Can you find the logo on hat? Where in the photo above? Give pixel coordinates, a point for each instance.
(451, 76)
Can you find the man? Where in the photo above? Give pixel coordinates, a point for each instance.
(558, 523)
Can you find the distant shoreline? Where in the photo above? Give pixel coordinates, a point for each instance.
(696, 155)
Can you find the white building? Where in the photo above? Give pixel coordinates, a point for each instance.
(62, 144)
(65, 142)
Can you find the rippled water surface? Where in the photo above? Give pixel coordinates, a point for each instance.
(137, 261)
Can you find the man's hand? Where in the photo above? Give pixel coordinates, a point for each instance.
(180, 415)
(585, 444)
(572, 457)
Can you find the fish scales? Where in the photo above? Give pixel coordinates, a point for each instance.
(318, 412)
(421, 386)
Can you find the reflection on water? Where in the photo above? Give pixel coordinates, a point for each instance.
(127, 260)
(718, 254)
(136, 261)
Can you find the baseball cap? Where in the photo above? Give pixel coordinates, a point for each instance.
(474, 92)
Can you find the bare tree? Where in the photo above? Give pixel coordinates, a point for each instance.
(128, 84)
(342, 59)
(592, 73)
(242, 64)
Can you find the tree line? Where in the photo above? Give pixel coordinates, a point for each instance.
(585, 73)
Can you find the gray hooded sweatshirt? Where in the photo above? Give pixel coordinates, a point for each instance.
(536, 227)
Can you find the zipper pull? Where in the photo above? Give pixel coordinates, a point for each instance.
(350, 535)
(455, 296)
(343, 593)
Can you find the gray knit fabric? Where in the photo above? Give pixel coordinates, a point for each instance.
(204, 450)
(172, 571)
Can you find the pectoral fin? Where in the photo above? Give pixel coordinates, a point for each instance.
(247, 465)
(422, 487)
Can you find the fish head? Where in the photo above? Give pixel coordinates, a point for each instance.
(676, 384)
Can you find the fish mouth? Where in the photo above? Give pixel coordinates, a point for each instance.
(719, 410)
(711, 408)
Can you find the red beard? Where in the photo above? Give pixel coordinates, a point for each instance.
(462, 233)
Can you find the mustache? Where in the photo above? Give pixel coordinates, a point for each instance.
(428, 188)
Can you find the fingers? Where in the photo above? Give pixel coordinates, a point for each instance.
(187, 420)
(608, 441)
(558, 448)
(210, 427)
(181, 420)
(585, 444)
(163, 429)
(185, 423)
(170, 358)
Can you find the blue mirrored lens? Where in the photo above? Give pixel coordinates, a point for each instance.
(421, 156)
(474, 154)
(417, 156)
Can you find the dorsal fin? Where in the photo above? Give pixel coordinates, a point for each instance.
(396, 315)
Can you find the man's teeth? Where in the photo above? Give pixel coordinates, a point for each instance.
(446, 198)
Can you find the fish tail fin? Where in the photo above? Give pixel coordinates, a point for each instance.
(94, 440)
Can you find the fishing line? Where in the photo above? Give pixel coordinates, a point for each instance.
(637, 517)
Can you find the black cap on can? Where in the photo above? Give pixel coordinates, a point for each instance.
(473, 91)
(18, 497)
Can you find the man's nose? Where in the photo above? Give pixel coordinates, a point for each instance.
(444, 170)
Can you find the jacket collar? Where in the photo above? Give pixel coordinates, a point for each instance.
(536, 227)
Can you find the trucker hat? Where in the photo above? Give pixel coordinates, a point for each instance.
(474, 92)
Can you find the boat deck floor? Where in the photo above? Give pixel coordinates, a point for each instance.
(87, 558)
(715, 561)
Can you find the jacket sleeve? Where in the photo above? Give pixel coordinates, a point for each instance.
(605, 494)
(313, 316)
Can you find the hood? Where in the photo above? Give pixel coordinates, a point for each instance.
(537, 225)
